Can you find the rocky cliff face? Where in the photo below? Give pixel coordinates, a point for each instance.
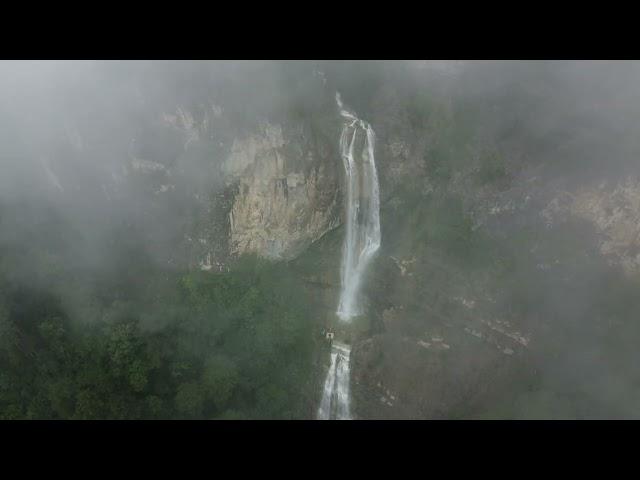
(287, 195)
(271, 188)
(613, 208)
(497, 265)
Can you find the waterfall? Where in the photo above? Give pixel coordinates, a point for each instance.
(362, 223)
(362, 240)
(335, 394)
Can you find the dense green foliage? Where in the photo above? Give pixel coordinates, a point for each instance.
(145, 343)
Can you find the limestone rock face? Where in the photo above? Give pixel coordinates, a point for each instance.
(615, 212)
(269, 187)
(612, 208)
(287, 194)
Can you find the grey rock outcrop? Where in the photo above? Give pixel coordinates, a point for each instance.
(288, 192)
(614, 211)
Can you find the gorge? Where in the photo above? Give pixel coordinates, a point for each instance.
(176, 239)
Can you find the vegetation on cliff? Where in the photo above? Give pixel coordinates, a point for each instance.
(144, 342)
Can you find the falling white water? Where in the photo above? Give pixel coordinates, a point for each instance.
(335, 395)
(362, 238)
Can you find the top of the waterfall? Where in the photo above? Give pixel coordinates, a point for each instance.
(342, 348)
(348, 115)
(343, 110)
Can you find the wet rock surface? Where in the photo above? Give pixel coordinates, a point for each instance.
(288, 192)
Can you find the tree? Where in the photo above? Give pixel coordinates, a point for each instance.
(189, 400)
(220, 377)
(9, 339)
(89, 405)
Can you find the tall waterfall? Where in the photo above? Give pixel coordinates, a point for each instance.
(362, 238)
(335, 395)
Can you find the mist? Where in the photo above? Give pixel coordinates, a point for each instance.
(171, 236)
